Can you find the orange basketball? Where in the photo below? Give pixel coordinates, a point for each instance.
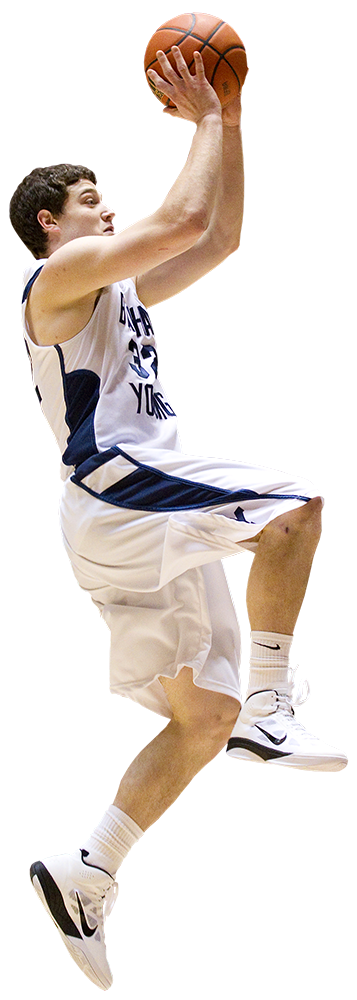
(222, 51)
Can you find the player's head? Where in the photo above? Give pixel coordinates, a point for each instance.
(53, 205)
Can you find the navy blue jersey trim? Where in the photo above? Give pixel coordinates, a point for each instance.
(220, 492)
(61, 361)
(150, 489)
(81, 390)
(30, 283)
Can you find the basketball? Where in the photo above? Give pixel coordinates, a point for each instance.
(222, 51)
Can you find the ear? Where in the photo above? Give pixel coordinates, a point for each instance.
(47, 221)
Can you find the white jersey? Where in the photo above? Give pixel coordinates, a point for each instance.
(145, 525)
(100, 389)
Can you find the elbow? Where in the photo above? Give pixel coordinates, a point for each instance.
(234, 245)
(231, 239)
(198, 222)
(227, 246)
(186, 231)
(225, 239)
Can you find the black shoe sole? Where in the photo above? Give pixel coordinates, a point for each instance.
(54, 900)
(266, 753)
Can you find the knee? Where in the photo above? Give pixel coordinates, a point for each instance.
(289, 528)
(214, 726)
(199, 713)
(306, 518)
(315, 506)
(313, 512)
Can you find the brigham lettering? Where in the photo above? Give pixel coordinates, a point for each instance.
(134, 319)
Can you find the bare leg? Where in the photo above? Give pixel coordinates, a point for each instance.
(281, 569)
(201, 725)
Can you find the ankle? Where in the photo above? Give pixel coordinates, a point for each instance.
(111, 841)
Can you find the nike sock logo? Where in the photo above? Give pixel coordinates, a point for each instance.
(266, 646)
(87, 930)
(273, 739)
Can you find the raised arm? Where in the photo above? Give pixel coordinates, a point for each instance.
(83, 265)
(222, 235)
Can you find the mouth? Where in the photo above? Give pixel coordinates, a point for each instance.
(109, 229)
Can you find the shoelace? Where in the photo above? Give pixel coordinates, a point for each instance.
(110, 899)
(296, 695)
(104, 901)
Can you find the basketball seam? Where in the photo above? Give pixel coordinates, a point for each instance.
(228, 64)
(207, 42)
(186, 33)
(204, 42)
(221, 56)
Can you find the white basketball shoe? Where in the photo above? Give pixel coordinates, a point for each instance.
(78, 897)
(266, 731)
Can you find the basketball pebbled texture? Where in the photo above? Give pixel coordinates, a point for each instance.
(221, 48)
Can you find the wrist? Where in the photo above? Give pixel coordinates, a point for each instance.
(232, 113)
(211, 115)
(231, 119)
(229, 126)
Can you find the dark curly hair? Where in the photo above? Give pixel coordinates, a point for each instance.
(44, 187)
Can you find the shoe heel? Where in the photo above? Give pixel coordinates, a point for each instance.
(53, 898)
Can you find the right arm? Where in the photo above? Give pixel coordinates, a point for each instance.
(89, 263)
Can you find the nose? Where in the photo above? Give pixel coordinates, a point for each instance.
(107, 215)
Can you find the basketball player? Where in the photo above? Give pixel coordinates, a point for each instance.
(144, 525)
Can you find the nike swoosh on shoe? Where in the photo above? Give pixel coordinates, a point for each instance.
(273, 739)
(87, 930)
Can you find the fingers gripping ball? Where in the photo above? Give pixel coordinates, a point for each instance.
(222, 51)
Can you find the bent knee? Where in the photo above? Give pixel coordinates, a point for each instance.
(203, 713)
(216, 725)
(313, 506)
(305, 518)
(294, 523)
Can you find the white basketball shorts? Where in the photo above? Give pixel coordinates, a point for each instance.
(145, 531)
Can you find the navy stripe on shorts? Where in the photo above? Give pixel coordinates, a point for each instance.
(147, 488)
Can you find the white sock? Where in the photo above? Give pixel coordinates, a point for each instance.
(111, 841)
(269, 661)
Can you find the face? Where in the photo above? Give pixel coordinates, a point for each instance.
(84, 213)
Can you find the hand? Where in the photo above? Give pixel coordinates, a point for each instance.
(193, 95)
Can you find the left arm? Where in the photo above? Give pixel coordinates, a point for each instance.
(222, 235)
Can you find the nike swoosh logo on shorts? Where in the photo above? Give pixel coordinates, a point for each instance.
(265, 645)
(87, 931)
(273, 739)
